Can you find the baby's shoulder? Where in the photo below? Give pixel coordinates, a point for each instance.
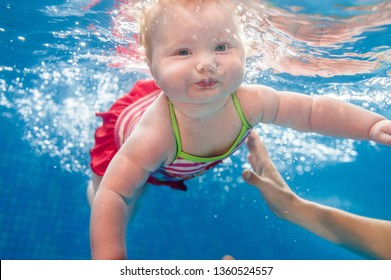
(158, 113)
(156, 128)
(256, 100)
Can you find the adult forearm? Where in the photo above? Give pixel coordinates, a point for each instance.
(324, 221)
(108, 226)
(366, 236)
(312, 217)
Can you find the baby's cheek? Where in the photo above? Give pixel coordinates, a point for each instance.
(236, 73)
(172, 78)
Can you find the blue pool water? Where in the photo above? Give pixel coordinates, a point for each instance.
(60, 62)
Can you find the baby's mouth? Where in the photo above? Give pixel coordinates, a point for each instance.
(207, 83)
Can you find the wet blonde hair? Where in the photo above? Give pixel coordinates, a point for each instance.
(149, 22)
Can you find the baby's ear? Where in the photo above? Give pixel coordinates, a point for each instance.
(148, 62)
(151, 72)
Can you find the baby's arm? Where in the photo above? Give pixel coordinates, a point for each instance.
(326, 116)
(115, 198)
(322, 115)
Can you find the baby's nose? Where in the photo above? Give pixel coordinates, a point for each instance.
(207, 64)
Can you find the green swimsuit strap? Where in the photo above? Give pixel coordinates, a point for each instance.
(182, 154)
(176, 130)
(239, 110)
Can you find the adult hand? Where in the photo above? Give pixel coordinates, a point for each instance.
(277, 194)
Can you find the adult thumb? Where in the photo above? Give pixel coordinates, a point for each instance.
(250, 177)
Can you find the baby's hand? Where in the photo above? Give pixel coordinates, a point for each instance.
(381, 132)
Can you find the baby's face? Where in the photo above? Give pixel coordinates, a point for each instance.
(197, 52)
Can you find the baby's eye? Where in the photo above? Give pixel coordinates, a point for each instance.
(183, 52)
(221, 48)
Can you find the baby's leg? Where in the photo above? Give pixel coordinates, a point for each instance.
(92, 187)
